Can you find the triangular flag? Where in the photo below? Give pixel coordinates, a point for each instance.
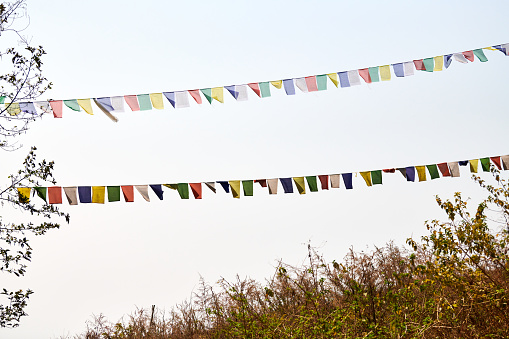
(171, 97)
(262, 182)
(41, 192)
(299, 183)
(367, 177)
(86, 105)
(73, 104)
(158, 190)
(278, 84)
(503, 48)
(480, 55)
(106, 103)
(70, 194)
(301, 84)
(217, 94)
(235, 186)
(207, 92)
(469, 55)
(231, 89)
(459, 57)
(334, 78)
(196, 189)
(225, 185)
(157, 100)
(212, 186)
(256, 88)
(143, 190)
(195, 93)
(447, 60)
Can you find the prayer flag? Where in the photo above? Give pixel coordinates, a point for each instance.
(44, 106)
(469, 55)
(55, 195)
(301, 84)
(248, 187)
(183, 189)
(144, 102)
(106, 103)
(324, 180)
(181, 99)
(367, 177)
(385, 73)
(105, 111)
(12, 108)
(419, 65)
(272, 183)
(429, 64)
(311, 84)
(334, 78)
(24, 194)
(157, 100)
(265, 89)
(73, 104)
(373, 74)
(343, 79)
(86, 105)
(444, 169)
(85, 194)
(232, 91)
(113, 193)
(353, 78)
(463, 163)
(321, 82)
(480, 55)
(27, 107)
(171, 97)
(212, 186)
(41, 192)
(262, 182)
(447, 60)
(454, 169)
(485, 163)
(300, 184)
(376, 177)
(117, 103)
(364, 73)
(433, 171)
(289, 87)
(389, 170)
(196, 189)
(143, 190)
(459, 57)
(410, 173)
(421, 172)
(439, 63)
(225, 186)
(403, 69)
(56, 107)
(402, 171)
(312, 184)
(132, 102)
(217, 94)
(503, 48)
(287, 184)
(207, 92)
(278, 84)
(242, 92)
(474, 163)
(235, 186)
(256, 88)
(195, 93)
(128, 192)
(98, 194)
(70, 194)
(334, 180)
(347, 180)
(505, 161)
(158, 190)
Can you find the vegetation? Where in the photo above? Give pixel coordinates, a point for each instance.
(452, 283)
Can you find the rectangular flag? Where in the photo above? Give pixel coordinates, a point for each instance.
(433, 171)
(334, 180)
(300, 184)
(144, 102)
(343, 79)
(235, 186)
(70, 194)
(311, 84)
(289, 87)
(353, 78)
(287, 184)
(429, 64)
(385, 73)
(128, 192)
(55, 195)
(196, 189)
(324, 180)
(272, 183)
(312, 184)
(301, 84)
(376, 177)
(157, 100)
(454, 168)
(113, 193)
(439, 63)
(321, 82)
(247, 185)
(347, 180)
(265, 89)
(373, 74)
(98, 194)
(421, 172)
(367, 177)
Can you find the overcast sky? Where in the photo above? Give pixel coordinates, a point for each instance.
(115, 257)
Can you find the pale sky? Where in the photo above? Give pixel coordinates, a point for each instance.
(115, 257)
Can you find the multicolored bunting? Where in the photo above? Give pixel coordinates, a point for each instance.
(97, 194)
(313, 83)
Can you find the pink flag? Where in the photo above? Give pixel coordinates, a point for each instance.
(132, 101)
(419, 65)
(256, 88)
(469, 55)
(56, 106)
(311, 83)
(364, 73)
(195, 93)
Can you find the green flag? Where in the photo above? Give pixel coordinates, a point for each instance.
(313, 186)
(207, 92)
(433, 171)
(321, 82)
(144, 102)
(73, 104)
(376, 177)
(113, 193)
(265, 89)
(373, 74)
(485, 162)
(480, 55)
(2, 99)
(248, 187)
(183, 189)
(41, 192)
(429, 64)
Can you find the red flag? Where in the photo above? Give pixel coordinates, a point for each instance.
(389, 170)
(364, 73)
(55, 195)
(419, 65)
(324, 179)
(128, 193)
(56, 106)
(262, 182)
(196, 188)
(444, 169)
(311, 83)
(195, 93)
(256, 88)
(132, 101)
(469, 55)
(496, 161)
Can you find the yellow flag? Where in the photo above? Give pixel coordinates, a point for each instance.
(277, 84)
(299, 182)
(421, 172)
(172, 186)
(86, 105)
(385, 72)
(157, 100)
(439, 63)
(491, 49)
(334, 78)
(473, 165)
(235, 185)
(98, 194)
(24, 194)
(13, 108)
(217, 93)
(367, 177)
